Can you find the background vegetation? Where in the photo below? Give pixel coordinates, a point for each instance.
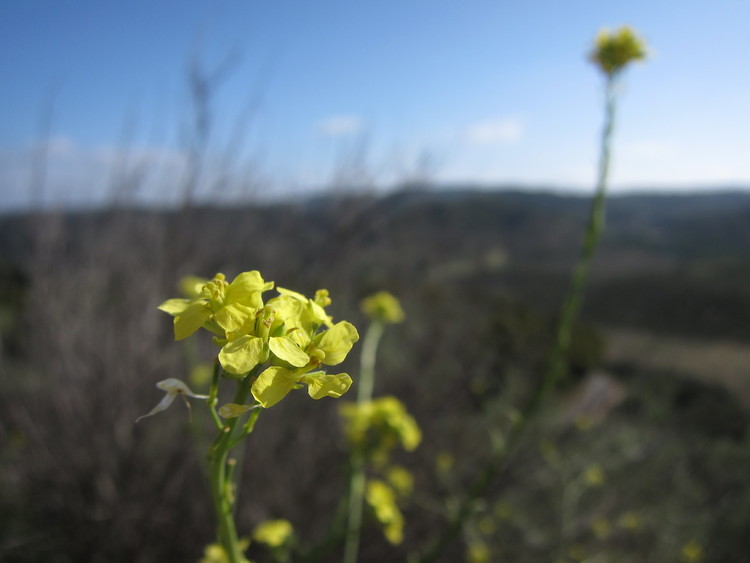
(642, 455)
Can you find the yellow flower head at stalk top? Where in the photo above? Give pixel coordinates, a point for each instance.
(379, 425)
(383, 307)
(290, 334)
(614, 50)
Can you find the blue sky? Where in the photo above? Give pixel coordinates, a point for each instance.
(368, 92)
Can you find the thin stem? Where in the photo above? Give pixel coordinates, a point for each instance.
(248, 427)
(355, 505)
(557, 362)
(357, 479)
(221, 472)
(213, 395)
(367, 361)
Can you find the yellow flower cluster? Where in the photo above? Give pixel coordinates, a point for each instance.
(273, 533)
(291, 334)
(614, 50)
(382, 500)
(383, 307)
(377, 426)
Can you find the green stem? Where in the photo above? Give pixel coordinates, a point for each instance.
(367, 362)
(357, 479)
(221, 469)
(557, 362)
(355, 505)
(213, 395)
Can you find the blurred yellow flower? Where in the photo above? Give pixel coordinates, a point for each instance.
(383, 307)
(401, 480)
(477, 552)
(594, 475)
(379, 425)
(444, 461)
(630, 521)
(486, 525)
(382, 500)
(214, 553)
(273, 533)
(601, 527)
(692, 551)
(614, 50)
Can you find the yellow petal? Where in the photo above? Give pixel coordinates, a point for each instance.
(242, 355)
(321, 385)
(233, 316)
(337, 341)
(246, 289)
(272, 385)
(285, 349)
(191, 319)
(290, 293)
(174, 306)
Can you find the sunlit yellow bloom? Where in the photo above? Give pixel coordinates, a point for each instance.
(382, 499)
(614, 50)
(273, 533)
(291, 335)
(275, 382)
(218, 301)
(383, 307)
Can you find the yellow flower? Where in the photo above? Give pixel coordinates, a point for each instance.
(401, 480)
(214, 553)
(379, 425)
(614, 50)
(273, 533)
(383, 307)
(219, 304)
(382, 499)
(291, 334)
(275, 382)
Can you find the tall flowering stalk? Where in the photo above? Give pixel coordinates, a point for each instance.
(612, 53)
(372, 428)
(267, 349)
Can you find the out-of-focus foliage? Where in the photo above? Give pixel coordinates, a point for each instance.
(481, 276)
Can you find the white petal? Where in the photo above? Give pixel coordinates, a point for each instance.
(163, 404)
(174, 386)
